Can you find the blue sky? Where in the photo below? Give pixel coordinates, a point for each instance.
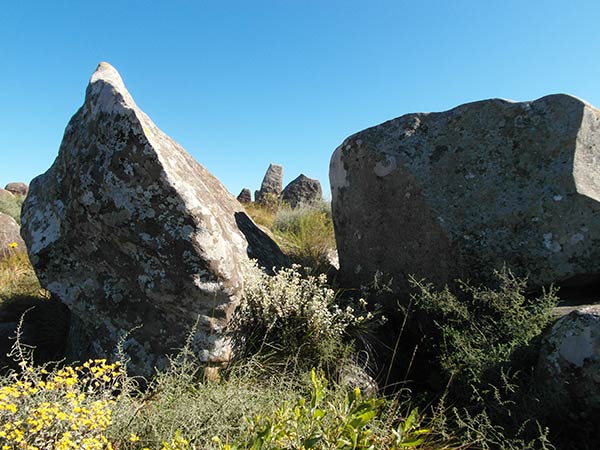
(241, 84)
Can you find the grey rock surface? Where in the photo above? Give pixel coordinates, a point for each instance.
(459, 193)
(10, 237)
(569, 362)
(245, 196)
(271, 185)
(302, 190)
(128, 230)
(17, 188)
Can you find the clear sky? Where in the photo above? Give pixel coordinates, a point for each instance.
(241, 84)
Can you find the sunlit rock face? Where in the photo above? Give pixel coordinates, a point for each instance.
(129, 231)
(459, 193)
(10, 239)
(271, 184)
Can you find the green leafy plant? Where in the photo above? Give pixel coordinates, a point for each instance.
(328, 423)
(478, 330)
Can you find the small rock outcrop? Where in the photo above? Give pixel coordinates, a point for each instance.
(245, 196)
(569, 361)
(302, 190)
(7, 195)
(10, 239)
(17, 188)
(129, 231)
(460, 193)
(271, 185)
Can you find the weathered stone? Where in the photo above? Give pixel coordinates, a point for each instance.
(302, 190)
(569, 362)
(10, 238)
(17, 188)
(271, 185)
(128, 230)
(459, 193)
(245, 196)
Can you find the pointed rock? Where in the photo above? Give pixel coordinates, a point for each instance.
(271, 185)
(128, 230)
(245, 196)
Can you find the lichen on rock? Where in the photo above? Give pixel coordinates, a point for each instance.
(128, 230)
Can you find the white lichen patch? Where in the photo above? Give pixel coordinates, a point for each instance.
(338, 176)
(386, 167)
(550, 243)
(47, 225)
(577, 238)
(577, 346)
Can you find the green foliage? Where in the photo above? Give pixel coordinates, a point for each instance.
(11, 205)
(478, 329)
(292, 316)
(336, 424)
(306, 234)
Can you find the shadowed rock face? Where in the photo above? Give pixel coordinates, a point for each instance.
(302, 190)
(569, 360)
(245, 196)
(459, 193)
(128, 230)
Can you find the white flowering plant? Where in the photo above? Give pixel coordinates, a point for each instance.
(293, 314)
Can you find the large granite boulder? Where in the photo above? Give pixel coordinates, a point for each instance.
(271, 185)
(302, 191)
(459, 193)
(17, 188)
(569, 362)
(10, 238)
(128, 230)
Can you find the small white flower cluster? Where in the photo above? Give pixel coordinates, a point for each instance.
(288, 297)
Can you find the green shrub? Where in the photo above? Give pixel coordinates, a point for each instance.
(328, 422)
(478, 330)
(306, 234)
(12, 205)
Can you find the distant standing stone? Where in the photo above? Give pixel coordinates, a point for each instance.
(10, 238)
(245, 196)
(271, 184)
(302, 190)
(460, 193)
(17, 188)
(128, 230)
